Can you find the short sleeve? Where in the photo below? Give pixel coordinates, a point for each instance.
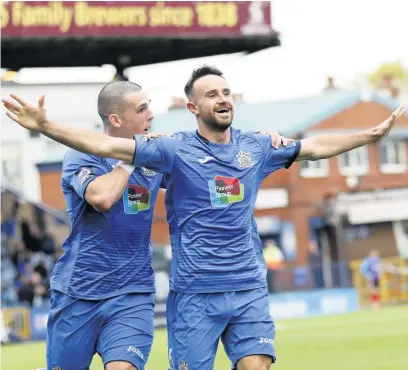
(79, 169)
(157, 154)
(276, 159)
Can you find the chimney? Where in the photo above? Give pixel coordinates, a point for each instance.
(388, 84)
(330, 84)
(177, 103)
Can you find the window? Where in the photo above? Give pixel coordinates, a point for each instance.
(357, 232)
(393, 156)
(354, 162)
(318, 168)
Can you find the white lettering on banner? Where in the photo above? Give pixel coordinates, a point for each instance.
(313, 303)
(40, 321)
(333, 305)
(288, 310)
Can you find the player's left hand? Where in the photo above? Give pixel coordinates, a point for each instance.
(384, 128)
(276, 139)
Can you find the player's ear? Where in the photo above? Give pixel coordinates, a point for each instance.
(114, 120)
(192, 107)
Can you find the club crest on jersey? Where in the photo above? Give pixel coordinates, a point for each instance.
(183, 365)
(148, 172)
(244, 159)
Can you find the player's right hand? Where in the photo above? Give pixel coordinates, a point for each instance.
(25, 114)
(276, 139)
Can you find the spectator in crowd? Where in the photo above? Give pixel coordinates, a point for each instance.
(9, 222)
(371, 270)
(274, 259)
(21, 258)
(8, 277)
(28, 253)
(32, 290)
(41, 269)
(315, 262)
(47, 243)
(31, 236)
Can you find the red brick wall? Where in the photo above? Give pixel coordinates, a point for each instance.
(362, 115)
(51, 192)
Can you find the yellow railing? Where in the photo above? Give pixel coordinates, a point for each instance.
(393, 281)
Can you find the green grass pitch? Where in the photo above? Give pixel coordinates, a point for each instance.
(365, 340)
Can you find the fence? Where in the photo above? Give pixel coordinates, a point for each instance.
(309, 277)
(393, 281)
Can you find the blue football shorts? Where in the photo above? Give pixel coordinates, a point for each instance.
(118, 329)
(196, 322)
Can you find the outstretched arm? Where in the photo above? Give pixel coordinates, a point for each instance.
(327, 146)
(34, 118)
(87, 141)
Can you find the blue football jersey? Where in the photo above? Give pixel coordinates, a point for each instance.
(210, 198)
(106, 254)
(256, 241)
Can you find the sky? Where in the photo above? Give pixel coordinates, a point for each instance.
(346, 39)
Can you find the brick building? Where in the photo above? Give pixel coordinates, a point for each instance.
(344, 205)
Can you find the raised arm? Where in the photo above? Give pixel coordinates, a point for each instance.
(34, 118)
(327, 146)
